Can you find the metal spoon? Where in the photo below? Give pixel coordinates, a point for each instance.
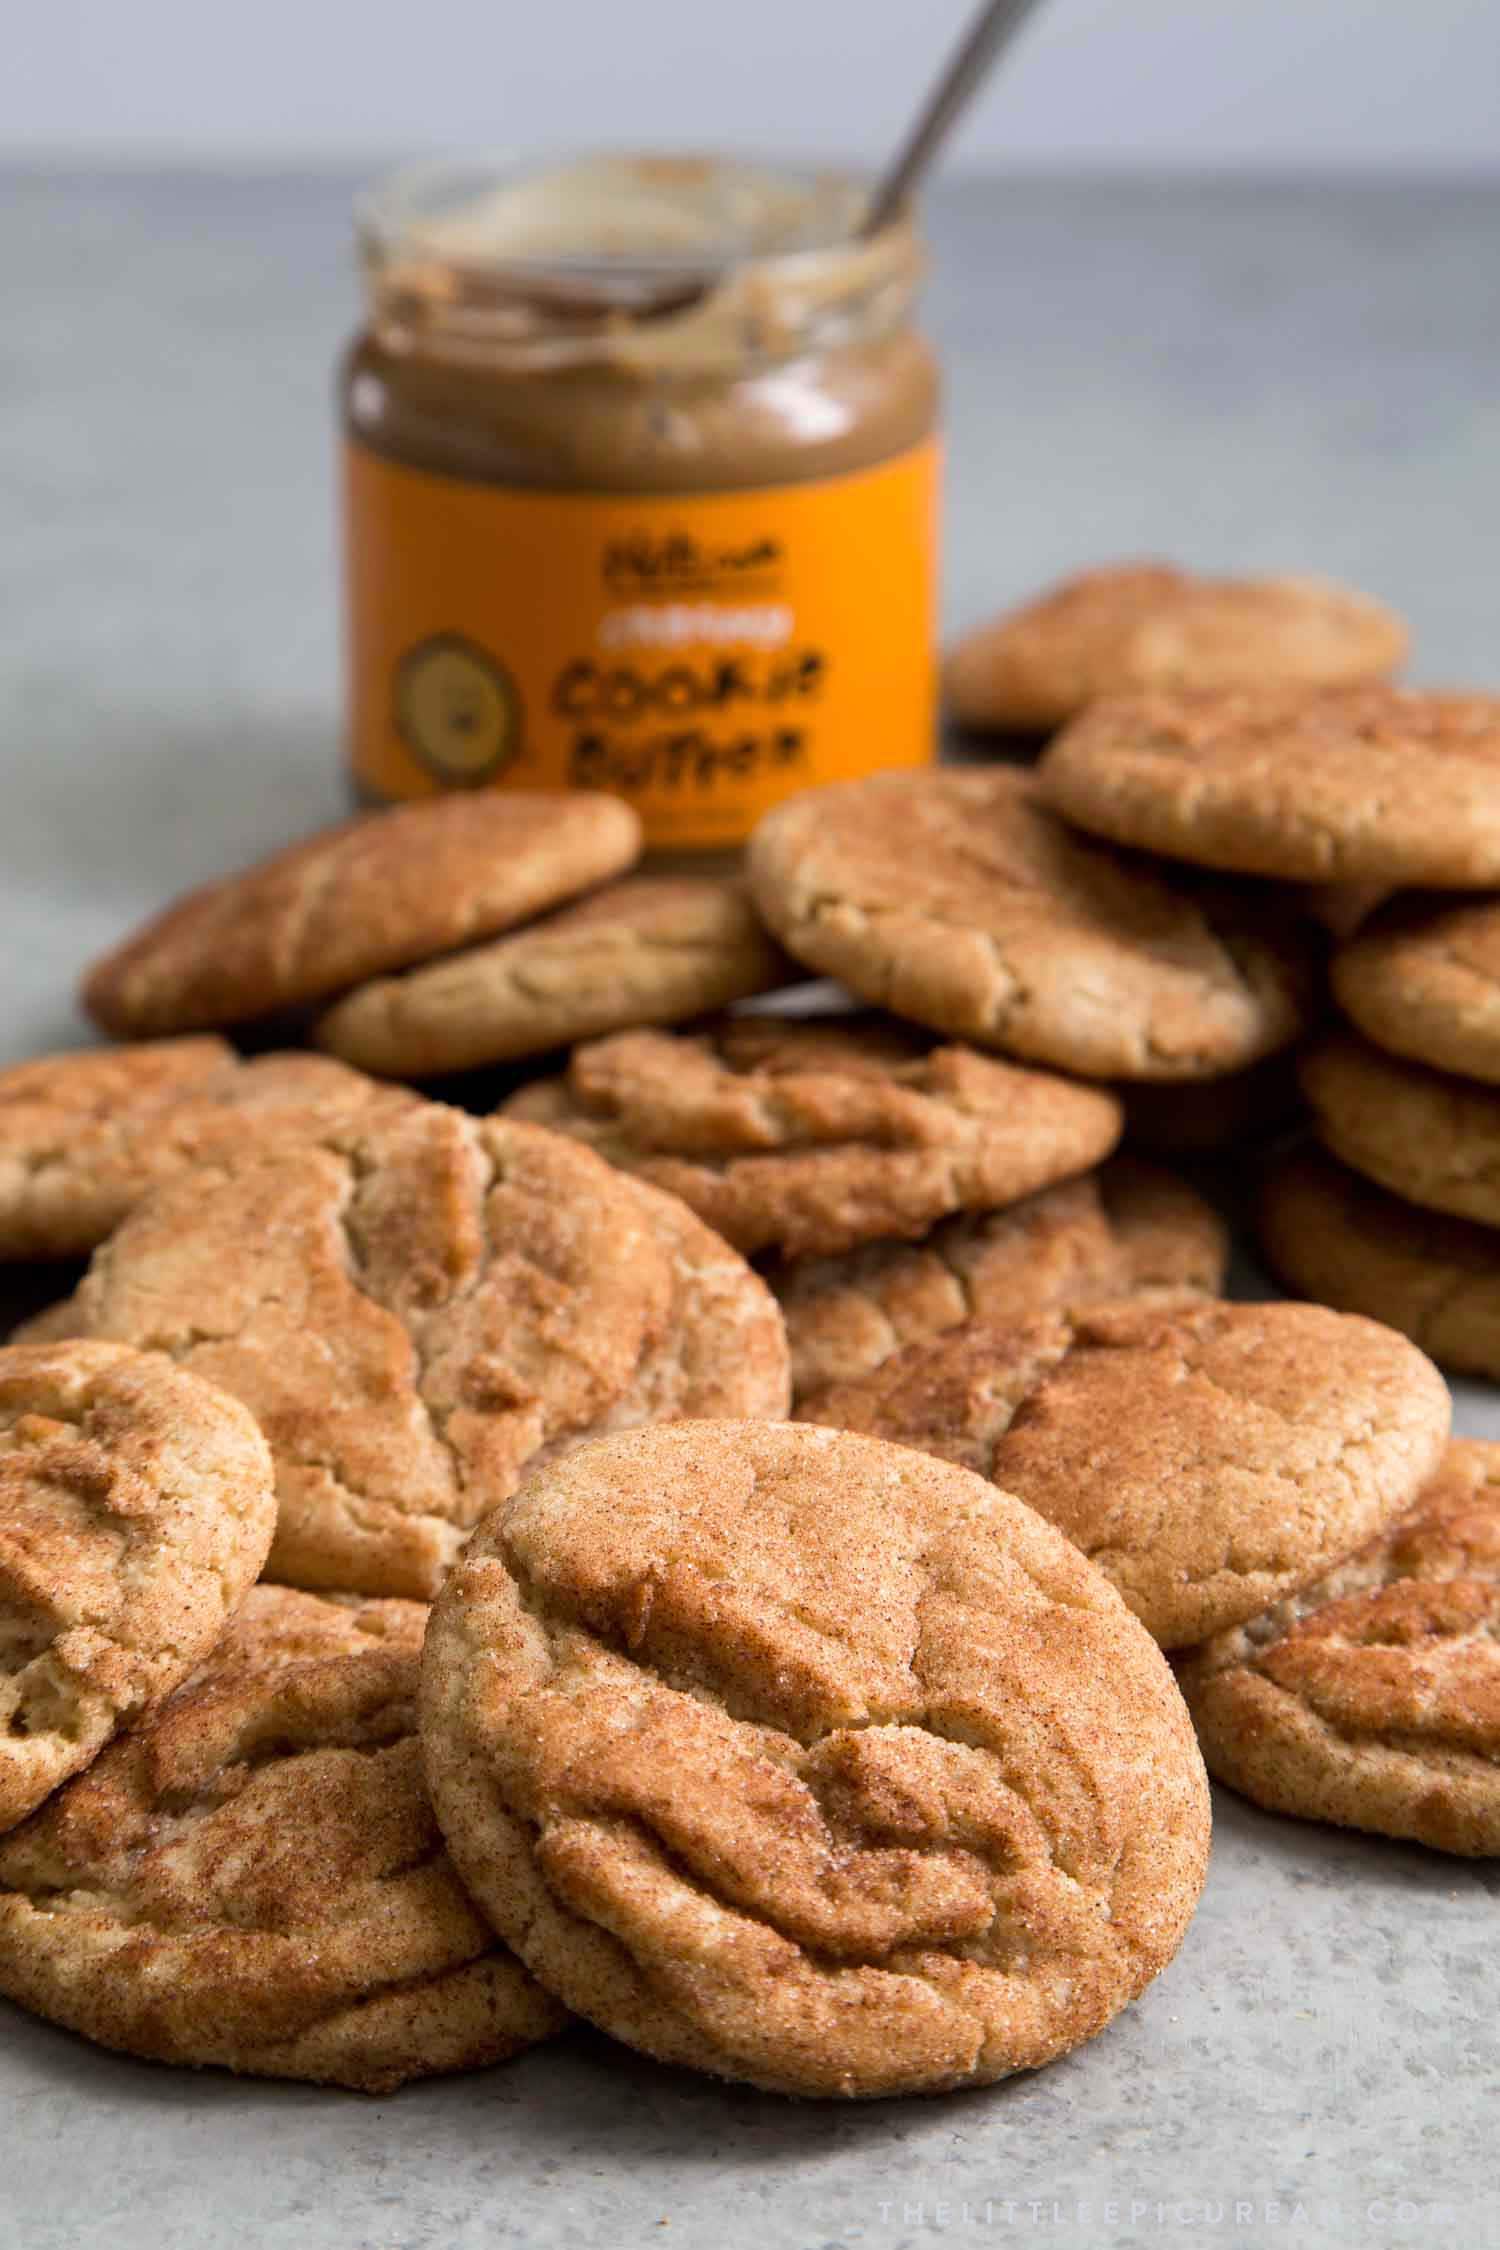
(992, 30)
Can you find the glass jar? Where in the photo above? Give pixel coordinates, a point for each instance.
(641, 490)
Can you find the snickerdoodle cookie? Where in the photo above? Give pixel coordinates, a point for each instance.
(807, 1761)
(1361, 785)
(412, 1308)
(1337, 1238)
(814, 1134)
(957, 898)
(651, 949)
(1372, 1698)
(254, 1877)
(1208, 1457)
(1423, 980)
(1112, 1233)
(1429, 1138)
(352, 902)
(84, 1136)
(1147, 625)
(136, 1508)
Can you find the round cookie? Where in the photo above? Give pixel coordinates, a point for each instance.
(1109, 1234)
(809, 1762)
(1423, 981)
(1336, 1238)
(956, 897)
(254, 1878)
(1372, 1698)
(1208, 1457)
(814, 1134)
(1363, 785)
(1428, 1138)
(652, 949)
(136, 1508)
(1146, 625)
(84, 1136)
(352, 902)
(412, 1308)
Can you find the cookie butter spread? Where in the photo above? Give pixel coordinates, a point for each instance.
(641, 475)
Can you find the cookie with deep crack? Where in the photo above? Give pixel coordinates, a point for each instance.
(84, 1136)
(136, 1509)
(1148, 625)
(809, 1762)
(814, 1134)
(1429, 1138)
(1209, 1458)
(1372, 1697)
(651, 949)
(1361, 785)
(254, 1877)
(1130, 1227)
(356, 901)
(1423, 981)
(1340, 1240)
(412, 1308)
(956, 897)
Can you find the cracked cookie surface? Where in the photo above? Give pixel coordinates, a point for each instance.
(652, 949)
(1144, 624)
(1363, 785)
(807, 1761)
(1429, 1138)
(957, 898)
(1207, 1458)
(1372, 1698)
(411, 1309)
(1423, 980)
(814, 1134)
(1340, 1240)
(1129, 1227)
(374, 894)
(254, 1878)
(136, 1509)
(83, 1137)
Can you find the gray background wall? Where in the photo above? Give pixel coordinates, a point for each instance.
(1341, 84)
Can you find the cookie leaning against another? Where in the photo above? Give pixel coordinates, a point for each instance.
(1113, 1233)
(1372, 1698)
(652, 949)
(84, 1136)
(1423, 980)
(1339, 1239)
(815, 1134)
(1363, 785)
(809, 1762)
(254, 1878)
(136, 1508)
(411, 1307)
(374, 894)
(1208, 1457)
(1430, 1139)
(957, 898)
(1147, 625)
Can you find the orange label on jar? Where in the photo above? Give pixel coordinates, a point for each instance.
(704, 655)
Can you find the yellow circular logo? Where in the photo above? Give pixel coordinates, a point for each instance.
(457, 710)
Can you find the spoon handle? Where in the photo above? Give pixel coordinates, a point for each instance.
(994, 27)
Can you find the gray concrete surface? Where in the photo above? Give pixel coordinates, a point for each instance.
(1250, 376)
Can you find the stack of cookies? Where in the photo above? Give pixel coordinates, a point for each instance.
(699, 1546)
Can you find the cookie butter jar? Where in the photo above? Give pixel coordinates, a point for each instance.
(640, 489)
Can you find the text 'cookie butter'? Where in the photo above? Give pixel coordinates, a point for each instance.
(641, 476)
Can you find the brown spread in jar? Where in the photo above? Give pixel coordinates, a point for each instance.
(641, 480)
